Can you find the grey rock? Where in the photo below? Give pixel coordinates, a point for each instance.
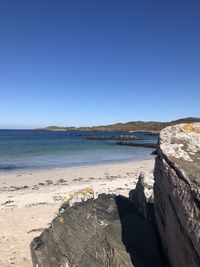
(147, 145)
(142, 195)
(120, 137)
(107, 231)
(177, 194)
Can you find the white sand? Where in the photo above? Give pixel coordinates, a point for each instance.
(29, 202)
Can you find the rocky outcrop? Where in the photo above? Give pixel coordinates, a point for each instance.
(177, 195)
(105, 232)
(114, 231)
(120, 137)
(147, 145)
(142, 195)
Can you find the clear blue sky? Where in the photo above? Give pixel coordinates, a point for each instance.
(91, 62)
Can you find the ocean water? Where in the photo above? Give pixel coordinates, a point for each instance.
(27, 149)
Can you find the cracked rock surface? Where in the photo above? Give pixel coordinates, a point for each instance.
(177, 193)
(108, 231)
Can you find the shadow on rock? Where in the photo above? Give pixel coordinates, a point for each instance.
(138, 236)
(108, 231)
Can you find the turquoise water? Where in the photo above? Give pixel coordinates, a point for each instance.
(21, 149)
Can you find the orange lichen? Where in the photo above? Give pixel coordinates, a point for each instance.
(87, 190)
(61, 220)
(189, 127)
(83, 192)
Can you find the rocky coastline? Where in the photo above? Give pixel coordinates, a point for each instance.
(104, 230)
(157, 225)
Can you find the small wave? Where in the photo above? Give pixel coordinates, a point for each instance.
(7, 167)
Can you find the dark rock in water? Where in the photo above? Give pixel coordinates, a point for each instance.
(177, 194)
(120, 137)
(128, 137)
(147, 132)
(108, 231)
(151, 133)
(147, 145)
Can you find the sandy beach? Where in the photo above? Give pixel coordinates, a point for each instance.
(29, 200)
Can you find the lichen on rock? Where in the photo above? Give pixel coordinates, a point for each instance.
(181, 141)
(176, 193)
(76, 196)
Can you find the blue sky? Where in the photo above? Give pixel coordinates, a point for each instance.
(91, 62)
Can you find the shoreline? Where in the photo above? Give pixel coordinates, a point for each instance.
(29, 200)
(75, 165)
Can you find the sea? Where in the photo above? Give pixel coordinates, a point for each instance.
(33, 149)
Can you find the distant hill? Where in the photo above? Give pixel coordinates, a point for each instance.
(140, 126)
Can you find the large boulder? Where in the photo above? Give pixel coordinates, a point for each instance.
(177, 194)
(107, 231)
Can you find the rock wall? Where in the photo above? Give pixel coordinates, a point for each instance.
(177, 195)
